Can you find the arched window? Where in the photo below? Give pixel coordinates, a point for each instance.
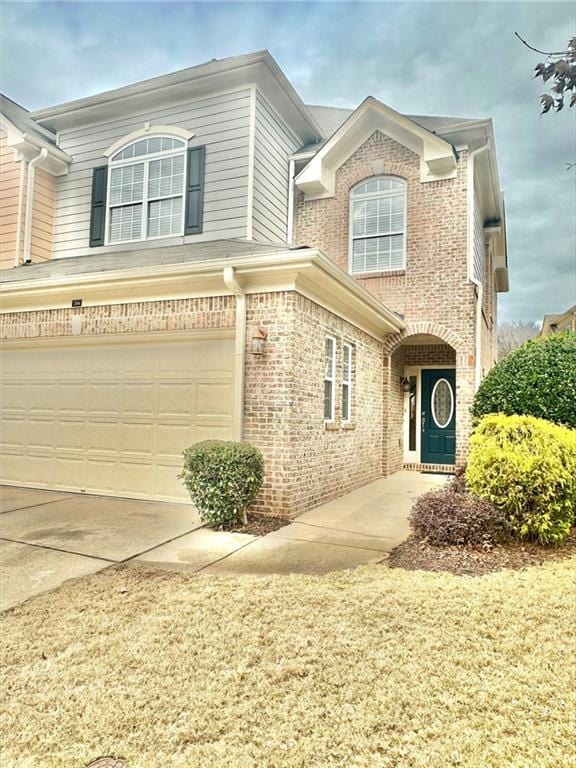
(377, 225)
(146, 188)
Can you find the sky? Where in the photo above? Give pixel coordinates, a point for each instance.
(435, 58)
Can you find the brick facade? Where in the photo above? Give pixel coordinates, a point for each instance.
(433, 292)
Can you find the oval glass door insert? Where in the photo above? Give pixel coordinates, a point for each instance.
(442, 403)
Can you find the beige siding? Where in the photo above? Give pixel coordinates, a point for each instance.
(9, 182)
(274, 142)
(42, 212)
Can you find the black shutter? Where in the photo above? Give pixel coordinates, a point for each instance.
(194, 191)
(98, 207)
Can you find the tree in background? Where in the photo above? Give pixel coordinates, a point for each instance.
(513, 334)
(559, 67)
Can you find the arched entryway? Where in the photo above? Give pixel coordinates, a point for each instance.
(428, 385)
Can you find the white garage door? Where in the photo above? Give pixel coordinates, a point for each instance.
(112, 418)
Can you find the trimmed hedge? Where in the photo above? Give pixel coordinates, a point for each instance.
(223, 479)
(448, 516)
(526, 467)
(537, 379)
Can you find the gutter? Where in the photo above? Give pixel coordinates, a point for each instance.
(19, 214)
(42, 155)
(477, 283)
(231, 282)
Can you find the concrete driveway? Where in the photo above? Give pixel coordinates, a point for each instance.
(47, 537)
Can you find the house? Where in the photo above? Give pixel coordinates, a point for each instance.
(566, 321)
(202, 255)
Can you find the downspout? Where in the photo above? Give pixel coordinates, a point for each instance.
(29, 204)
(19, 214)
(477, 283)
(239, 350)
(290, 228)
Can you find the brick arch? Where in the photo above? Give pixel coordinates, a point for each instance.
(367, 172)
(425, 327)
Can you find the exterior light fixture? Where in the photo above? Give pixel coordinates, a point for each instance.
(405, 384)
(258, 342)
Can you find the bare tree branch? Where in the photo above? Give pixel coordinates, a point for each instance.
(544, 53)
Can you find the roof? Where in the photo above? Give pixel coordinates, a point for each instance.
(20, 118)
(550, 322)
(331, 118)
(142, 257)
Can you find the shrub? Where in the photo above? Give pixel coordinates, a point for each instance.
(458, 483)
(527, 468)
(223, 479)
(446, 517)
(537, 379)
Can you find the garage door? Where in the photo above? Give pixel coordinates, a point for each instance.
(112, 419)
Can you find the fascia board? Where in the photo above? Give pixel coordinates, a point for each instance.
(326, 284)
(317, 178)
(240, 71)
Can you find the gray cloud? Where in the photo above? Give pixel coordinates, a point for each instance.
(422, 58)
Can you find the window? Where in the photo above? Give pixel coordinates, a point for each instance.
(329, 376)
(346, 381)
(146, 190)
(377, 225)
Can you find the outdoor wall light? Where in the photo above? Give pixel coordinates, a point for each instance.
(258, 343)
(405, 384)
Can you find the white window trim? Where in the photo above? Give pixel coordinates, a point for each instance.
(167, 131)
(146, 160)
(347, 382)
(332, 379)
(368, 196)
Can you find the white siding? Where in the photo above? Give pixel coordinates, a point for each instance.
(221, 123)
(479, 244)
(274, 142)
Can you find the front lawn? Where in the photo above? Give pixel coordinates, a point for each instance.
(374, 668)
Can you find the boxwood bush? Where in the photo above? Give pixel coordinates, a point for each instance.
(526, 467)
(223, 479)
(446, 516)
(537, 379)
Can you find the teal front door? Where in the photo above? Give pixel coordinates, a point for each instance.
(438, 418)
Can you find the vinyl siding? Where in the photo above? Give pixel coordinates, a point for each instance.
(479, 245)
(42, 214)
(273, 144)
(9, 181)
(221, 123)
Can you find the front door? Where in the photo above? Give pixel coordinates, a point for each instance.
(438, 417)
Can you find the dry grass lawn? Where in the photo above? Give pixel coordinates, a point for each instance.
(375, 668)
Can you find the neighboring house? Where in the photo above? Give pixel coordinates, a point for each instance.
(230, 263)
(563, 322)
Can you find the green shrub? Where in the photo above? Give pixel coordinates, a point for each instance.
(537, 379)
(223, 479)
(527, 468)
(446, 516)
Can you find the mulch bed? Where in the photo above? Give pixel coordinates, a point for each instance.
(260, 525)
(417, 555)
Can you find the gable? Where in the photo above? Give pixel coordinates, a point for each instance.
(437, 156)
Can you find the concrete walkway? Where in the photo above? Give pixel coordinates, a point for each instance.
(48, 537)
(360, 527)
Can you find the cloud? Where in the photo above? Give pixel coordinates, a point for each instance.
(457, 59)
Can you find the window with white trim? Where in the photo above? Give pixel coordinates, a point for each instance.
(146, 185)
(347, 350)
(329, 378)
(377, 225)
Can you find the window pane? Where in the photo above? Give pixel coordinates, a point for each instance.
(127, 184)
(328, 389)
(165, 217)
(329, 348)
(166, 177)
(345, 402)
(378, 254)
(346, 355)
(125, 223)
